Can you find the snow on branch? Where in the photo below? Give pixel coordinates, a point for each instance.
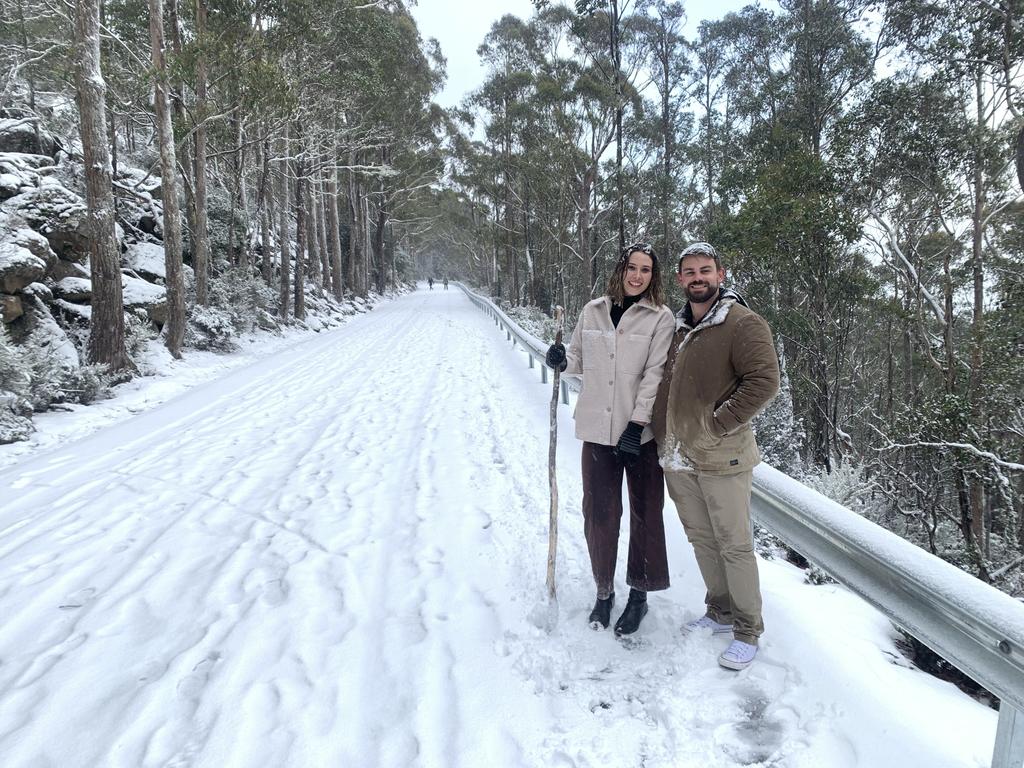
(981, 454)
(893, 243)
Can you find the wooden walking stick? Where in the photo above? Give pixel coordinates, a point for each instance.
(552, 479)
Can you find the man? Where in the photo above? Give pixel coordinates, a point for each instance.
(720, 373)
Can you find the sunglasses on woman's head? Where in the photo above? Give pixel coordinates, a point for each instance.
(641, 247)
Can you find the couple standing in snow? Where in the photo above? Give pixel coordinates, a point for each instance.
(669, 400)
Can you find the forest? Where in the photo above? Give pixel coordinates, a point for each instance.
(858, 164)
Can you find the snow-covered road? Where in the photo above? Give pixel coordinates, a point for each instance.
(335, 557)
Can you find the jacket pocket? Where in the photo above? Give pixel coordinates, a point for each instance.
(594, 349)
(707, 424)
(633, 353)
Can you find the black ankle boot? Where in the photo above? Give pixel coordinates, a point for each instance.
(601, 616)
(636, 609)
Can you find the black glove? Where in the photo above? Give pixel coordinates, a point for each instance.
(555, 357)
(628, 447)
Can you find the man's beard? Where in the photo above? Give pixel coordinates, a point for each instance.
(701, 295)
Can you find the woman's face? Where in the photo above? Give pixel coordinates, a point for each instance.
(638, 273)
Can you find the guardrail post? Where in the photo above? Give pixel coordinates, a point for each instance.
(531, 361)
(1009, 751)
(508, 335)
(543, 374)
(565, 392)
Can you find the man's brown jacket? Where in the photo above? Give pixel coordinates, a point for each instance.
(719, 375)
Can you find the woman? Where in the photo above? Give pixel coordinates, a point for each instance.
(619, 347)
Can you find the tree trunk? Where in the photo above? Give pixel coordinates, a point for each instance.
(367, 245)
(239, 208)
(1020, 157)
(301, 240)
(321, 237)
(106, 327)
(175, 326)
(355, 233)
(977, 488)
(334, 235)
(266, 265)
(379, 260)
(667, 244)
(312, 201)
(588, 258)
(243, 202)
(282, 210)
(201, 234)
(184, 152)
(617, 64)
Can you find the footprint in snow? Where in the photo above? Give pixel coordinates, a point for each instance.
(192, 684)
(757, 737)
(77, 599)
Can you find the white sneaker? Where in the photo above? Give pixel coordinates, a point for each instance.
(738, 655)
(706, 622)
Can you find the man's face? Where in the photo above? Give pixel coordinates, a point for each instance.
(699, 278)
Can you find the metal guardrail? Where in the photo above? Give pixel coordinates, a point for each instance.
(534, 347)
(974, 626)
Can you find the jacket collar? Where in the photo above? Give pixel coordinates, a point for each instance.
(644, 302)
(715, 315)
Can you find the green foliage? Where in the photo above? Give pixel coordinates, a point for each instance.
(40, 381)
(210, 328)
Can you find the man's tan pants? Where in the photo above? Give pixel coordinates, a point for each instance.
(715, 512)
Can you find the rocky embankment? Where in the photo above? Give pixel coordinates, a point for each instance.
(45, 287)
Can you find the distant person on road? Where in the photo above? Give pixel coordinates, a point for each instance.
(619, 347)
(446, 282)
(430, 282)
(721, 372)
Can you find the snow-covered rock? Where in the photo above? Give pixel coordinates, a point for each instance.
(63, 269)
(136, 294)
(10, 185)
(10, 308)
(147, 259)
(141, 182)
(25, 255)
(76, 289)
(40, 290)
(20, 135)
(26, 164)
(59, 215)
(82, 312)
(21, 173)
(38, 329)
(18, 267)
(140, 294)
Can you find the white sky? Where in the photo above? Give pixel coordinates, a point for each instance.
(460, 27)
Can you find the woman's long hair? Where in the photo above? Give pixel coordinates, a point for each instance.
(655, 291)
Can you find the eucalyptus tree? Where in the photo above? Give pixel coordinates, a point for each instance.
(621, 72)
(974, 50)
(34, 46)
(407, 155)
(660, 27)
(508, 52)
(174, 329)
(106, 326)
(796, 76)
(708, 91)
